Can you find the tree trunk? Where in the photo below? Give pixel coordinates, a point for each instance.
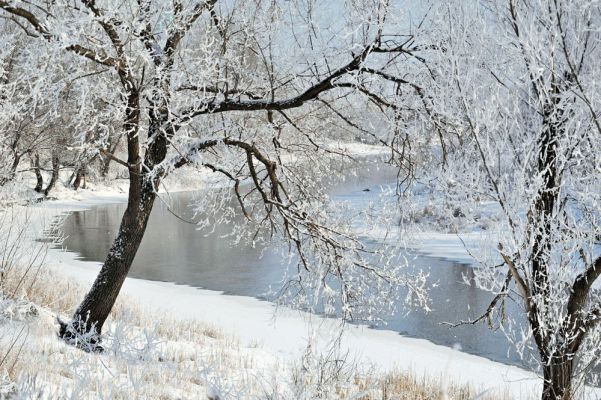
(106, 161)
(78, 178)
(81, 171)
(558, 379)
(106, 166)
(38, 175)
(55, 172)
(92, 313)
(96, 306)
(13, 170)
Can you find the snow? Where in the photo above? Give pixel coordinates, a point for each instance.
(463, 247)
(357, 149)
(287, 334)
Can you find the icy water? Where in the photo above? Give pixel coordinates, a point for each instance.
(175, 251)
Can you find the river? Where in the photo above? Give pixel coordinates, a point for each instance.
(175, 251)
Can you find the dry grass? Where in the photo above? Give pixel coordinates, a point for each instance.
(396, 386)
(147, 356)
(403, 386)
(153, 356)
(50, 290)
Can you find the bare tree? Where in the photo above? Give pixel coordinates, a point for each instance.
(25, 117)
(235, 88)
(522, 104)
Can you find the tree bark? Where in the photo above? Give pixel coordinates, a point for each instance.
(78, 178)
(96, 306)
(558, 378)
(38, 175)
(55, 172)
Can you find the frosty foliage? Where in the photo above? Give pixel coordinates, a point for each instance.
(41, 93)
(255, 92)
(518, 92)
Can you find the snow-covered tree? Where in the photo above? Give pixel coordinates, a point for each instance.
(252, 91)
(27, 109)
(45, 128)
(520, 97)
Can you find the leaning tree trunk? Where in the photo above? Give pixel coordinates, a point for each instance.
(557, 376)
(96, 306)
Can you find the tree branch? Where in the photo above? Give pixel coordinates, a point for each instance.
(490, 307)
(311, 93)
(91, 55)
(582, 286)
(29, 16)
(105, 153)
(178, 34)
(516, 275)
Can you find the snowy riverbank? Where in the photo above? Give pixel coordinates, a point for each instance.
(287, 332)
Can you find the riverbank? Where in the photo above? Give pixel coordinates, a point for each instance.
(160, 343)
(151, 355)
(287, 333)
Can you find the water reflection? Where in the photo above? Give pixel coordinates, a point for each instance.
(175, 251)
